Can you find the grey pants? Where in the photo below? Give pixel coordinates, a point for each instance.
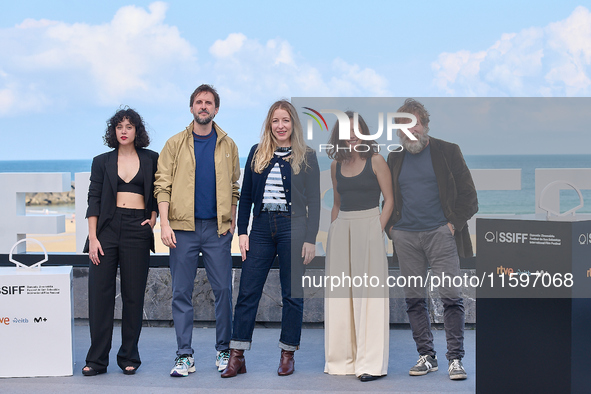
(417, 250)
(183, 268)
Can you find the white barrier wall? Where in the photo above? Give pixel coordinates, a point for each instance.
(15, 224)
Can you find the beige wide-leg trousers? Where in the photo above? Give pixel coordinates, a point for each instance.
(356, 313)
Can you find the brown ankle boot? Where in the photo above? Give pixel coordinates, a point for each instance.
(286, 364)
(236, 364)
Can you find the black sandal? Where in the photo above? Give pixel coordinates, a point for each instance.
(91, 371)
(129, 371)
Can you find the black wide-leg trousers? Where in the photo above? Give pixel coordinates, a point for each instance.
(126, 244)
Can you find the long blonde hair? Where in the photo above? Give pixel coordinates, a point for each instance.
(268, 144)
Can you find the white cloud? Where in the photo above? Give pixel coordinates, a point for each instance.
(131, 57)
(6, 101)
(16, 97)
(539, 61)
(33, 23)
(357, 79)
(249, 72)
(229, 46)
(137, 58)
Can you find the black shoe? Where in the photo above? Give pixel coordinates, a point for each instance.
(129, 371)
(92, 372)
(368, 378)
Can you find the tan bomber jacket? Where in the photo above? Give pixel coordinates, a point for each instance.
(175, 179)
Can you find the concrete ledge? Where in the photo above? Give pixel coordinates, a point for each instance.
(159, 298)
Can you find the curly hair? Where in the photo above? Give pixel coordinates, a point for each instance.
(142, 139)
(339, 148)
(416, 108)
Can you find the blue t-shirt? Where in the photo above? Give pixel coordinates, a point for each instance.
(421, 207)
(205, 199)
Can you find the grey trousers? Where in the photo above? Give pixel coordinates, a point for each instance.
(417, 250)
(183, 268)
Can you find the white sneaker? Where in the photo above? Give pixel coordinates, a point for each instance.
(183, 365)
(221, 359)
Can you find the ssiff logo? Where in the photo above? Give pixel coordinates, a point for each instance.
(506, 237)
(11, 290)
(345, 127)
(584, 239)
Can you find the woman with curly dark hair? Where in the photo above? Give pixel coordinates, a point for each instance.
(121, 214)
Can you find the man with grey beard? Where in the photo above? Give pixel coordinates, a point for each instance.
(434, 196)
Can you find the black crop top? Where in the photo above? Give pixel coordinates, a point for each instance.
(359, 192)
(136, 185)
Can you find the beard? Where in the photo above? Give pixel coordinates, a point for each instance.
(414, 147)
(203, 121)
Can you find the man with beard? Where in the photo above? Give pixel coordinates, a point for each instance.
(434, 196)
(197, 191)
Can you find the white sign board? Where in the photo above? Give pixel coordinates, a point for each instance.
(36, 322)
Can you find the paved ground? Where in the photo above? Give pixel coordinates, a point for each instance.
(158, 345)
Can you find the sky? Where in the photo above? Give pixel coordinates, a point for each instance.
(67, 66)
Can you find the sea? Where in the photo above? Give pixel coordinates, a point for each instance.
(490, 202)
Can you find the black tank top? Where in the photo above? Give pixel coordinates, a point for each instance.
(359, 192)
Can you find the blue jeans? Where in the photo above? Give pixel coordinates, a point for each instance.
(217, 258)
(270, 236)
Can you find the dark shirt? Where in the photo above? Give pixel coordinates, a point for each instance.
(205, 199)
(421, 207)
(456, 189)
(359, 192)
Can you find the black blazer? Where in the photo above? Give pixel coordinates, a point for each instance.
(102, 192)
(457, 193)
(302, 189)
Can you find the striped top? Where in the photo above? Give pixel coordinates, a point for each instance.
(274, 194)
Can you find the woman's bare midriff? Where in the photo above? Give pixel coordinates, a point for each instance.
(130, 200)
